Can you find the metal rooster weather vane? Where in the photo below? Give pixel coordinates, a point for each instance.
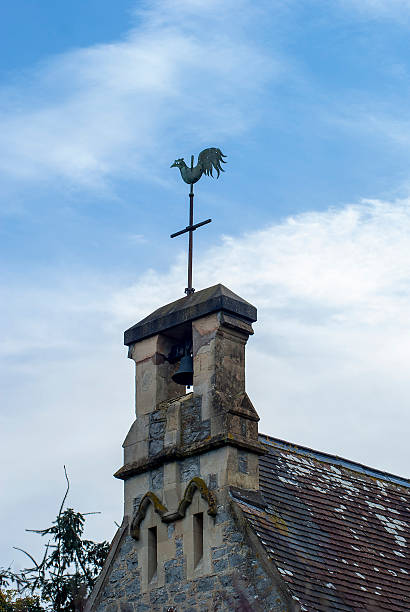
(208, 160)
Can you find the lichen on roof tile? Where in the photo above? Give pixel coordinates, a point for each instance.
(336, 530)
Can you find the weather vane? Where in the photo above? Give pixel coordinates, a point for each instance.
(208, 160)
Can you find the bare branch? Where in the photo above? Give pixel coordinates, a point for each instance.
(28, 555)
(66, 493)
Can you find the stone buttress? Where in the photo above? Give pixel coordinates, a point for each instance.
(182, 545)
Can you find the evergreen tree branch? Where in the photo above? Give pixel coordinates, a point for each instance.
(28, 555)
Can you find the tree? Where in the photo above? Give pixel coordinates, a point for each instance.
(10, 602)
(63, 579)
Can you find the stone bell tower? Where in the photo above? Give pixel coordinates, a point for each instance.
(211, 432)
(184, 453)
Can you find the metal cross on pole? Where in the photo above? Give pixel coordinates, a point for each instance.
(190, 228)
(208, 160)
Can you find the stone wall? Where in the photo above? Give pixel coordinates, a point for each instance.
(231, 568)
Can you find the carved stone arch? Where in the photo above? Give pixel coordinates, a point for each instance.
(200, 485)
(139, 515)
(196, 484)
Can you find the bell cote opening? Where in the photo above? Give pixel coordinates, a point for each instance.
(172, 347)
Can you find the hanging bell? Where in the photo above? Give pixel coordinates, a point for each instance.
(185, 373)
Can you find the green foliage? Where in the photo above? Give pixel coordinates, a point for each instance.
(9, 602)
(66, 574)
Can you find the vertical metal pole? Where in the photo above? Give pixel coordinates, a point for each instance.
(190, 289)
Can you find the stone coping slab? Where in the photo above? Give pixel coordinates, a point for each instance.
(189, 308)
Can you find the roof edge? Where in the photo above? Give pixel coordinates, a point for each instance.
(334, 459)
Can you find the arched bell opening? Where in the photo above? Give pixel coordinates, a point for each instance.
(185, 373)
(181, 355)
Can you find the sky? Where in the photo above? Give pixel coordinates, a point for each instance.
(309, 100)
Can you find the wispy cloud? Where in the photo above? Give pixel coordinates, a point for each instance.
(91, 112)
(137, 238)
(396, 9)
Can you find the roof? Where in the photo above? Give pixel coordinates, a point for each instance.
(193, 306)
(338, 532)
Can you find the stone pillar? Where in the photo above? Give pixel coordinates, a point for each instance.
(153, 382)
(219, 359)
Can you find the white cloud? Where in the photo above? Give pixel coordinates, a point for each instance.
(91, 112)
(371, 119)
(137, 238)
(327, 367)
(396, 9)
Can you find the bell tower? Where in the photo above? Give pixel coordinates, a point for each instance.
(189, 454)
(211, 432)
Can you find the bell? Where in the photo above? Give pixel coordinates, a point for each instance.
(185, 373)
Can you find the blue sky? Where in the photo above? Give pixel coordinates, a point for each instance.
(310, 112)
(309, 100)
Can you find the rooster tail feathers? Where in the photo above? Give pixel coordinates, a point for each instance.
(210, 159)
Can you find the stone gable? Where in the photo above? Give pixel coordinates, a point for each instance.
(231, 569)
